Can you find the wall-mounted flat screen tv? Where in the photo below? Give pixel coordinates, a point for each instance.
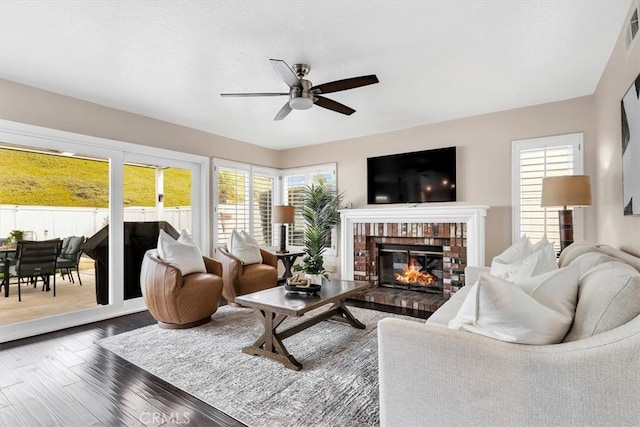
(418, 177)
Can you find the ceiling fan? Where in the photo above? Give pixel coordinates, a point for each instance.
(302, 94)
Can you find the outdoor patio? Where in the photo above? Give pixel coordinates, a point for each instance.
(37, 304)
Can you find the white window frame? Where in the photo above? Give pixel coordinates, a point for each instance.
(575, 140)
(307, 171)
(116, 151)
(251, 169)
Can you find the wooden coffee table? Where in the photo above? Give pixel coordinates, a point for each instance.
(273, 306)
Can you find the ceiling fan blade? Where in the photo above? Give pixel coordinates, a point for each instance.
(286, 109)
(345, 84)
(285, 72)
(253, 94)
(330, 104)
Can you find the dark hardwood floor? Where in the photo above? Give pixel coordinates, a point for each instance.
(63, 378)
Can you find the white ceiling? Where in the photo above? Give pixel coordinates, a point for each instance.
(436, 60)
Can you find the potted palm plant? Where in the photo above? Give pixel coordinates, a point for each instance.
(320, 202)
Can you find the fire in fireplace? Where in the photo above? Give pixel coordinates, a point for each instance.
(412, 267)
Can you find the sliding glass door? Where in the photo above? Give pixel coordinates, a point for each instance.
(182, 205)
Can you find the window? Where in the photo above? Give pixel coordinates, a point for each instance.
(532, 160)
(244, 197)
(293, 181)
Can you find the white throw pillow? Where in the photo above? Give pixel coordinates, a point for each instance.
(538, 310)
(539, 262)
(183, 253)
(516, 252)
(244, 247)
(541, 244)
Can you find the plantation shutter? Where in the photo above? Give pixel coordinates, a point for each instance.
(263, 196)
(233, 207)
(292, 189)
(292, 186)
(533, 160)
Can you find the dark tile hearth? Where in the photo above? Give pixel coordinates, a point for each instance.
(402, 298)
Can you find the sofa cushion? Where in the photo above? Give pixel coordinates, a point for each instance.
(621, 255)
(588, 260)
(608, 296)
(244, 247)
(537, 310)
(574, 250)
(183, 253)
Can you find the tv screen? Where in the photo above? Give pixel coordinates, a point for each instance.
(418, 177)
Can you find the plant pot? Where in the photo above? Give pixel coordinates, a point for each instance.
(316, 279)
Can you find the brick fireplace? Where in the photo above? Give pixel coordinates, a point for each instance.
(445, 239)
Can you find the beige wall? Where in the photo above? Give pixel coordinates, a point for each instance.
(484, 156)
(484, 147)
(613, 227)
(25, 104)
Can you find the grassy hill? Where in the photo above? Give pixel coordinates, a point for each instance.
(38, 179)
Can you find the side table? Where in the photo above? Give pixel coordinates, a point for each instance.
(288, 259)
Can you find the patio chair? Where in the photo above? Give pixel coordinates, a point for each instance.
(70, 257)
(37, 259)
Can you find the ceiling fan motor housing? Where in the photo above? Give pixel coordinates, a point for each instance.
(302, 97)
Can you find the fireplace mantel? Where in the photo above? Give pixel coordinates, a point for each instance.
(473, 216)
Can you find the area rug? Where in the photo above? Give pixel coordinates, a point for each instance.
(338, 385)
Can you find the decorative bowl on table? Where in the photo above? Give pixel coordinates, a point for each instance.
(300, 284)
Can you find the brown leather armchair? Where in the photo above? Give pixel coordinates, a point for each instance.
(178, 301)
(240, 279)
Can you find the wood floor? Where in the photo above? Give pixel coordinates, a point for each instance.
(63, 378)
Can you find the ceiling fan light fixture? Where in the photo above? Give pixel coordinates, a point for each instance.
(301, 103)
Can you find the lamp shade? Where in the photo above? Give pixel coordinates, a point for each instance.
(568, 190)
(282, 215)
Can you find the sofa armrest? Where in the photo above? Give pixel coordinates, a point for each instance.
(471, 274)
(433, 375)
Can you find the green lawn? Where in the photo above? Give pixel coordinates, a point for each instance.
(36, 179)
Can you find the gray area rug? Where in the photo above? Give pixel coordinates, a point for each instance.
(338, 385)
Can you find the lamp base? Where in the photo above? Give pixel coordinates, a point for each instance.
(565, 217)
(283, 240)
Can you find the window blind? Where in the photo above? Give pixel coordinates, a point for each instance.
(534, 160)
(233, 204)
(292, 194)
(262, 188)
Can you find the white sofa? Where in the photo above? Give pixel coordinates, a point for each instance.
(431, 375)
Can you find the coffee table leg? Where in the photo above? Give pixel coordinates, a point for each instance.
(269, 344)
(346, 316)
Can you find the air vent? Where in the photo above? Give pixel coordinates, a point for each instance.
(631, 31)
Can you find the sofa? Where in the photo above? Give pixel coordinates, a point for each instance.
(432, 375)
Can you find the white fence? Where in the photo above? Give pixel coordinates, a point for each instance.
(49, 222)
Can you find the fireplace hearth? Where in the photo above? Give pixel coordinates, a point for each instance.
(457, 229)
(411, 267)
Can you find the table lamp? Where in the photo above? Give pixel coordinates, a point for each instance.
(282, 215)
(568, 190)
